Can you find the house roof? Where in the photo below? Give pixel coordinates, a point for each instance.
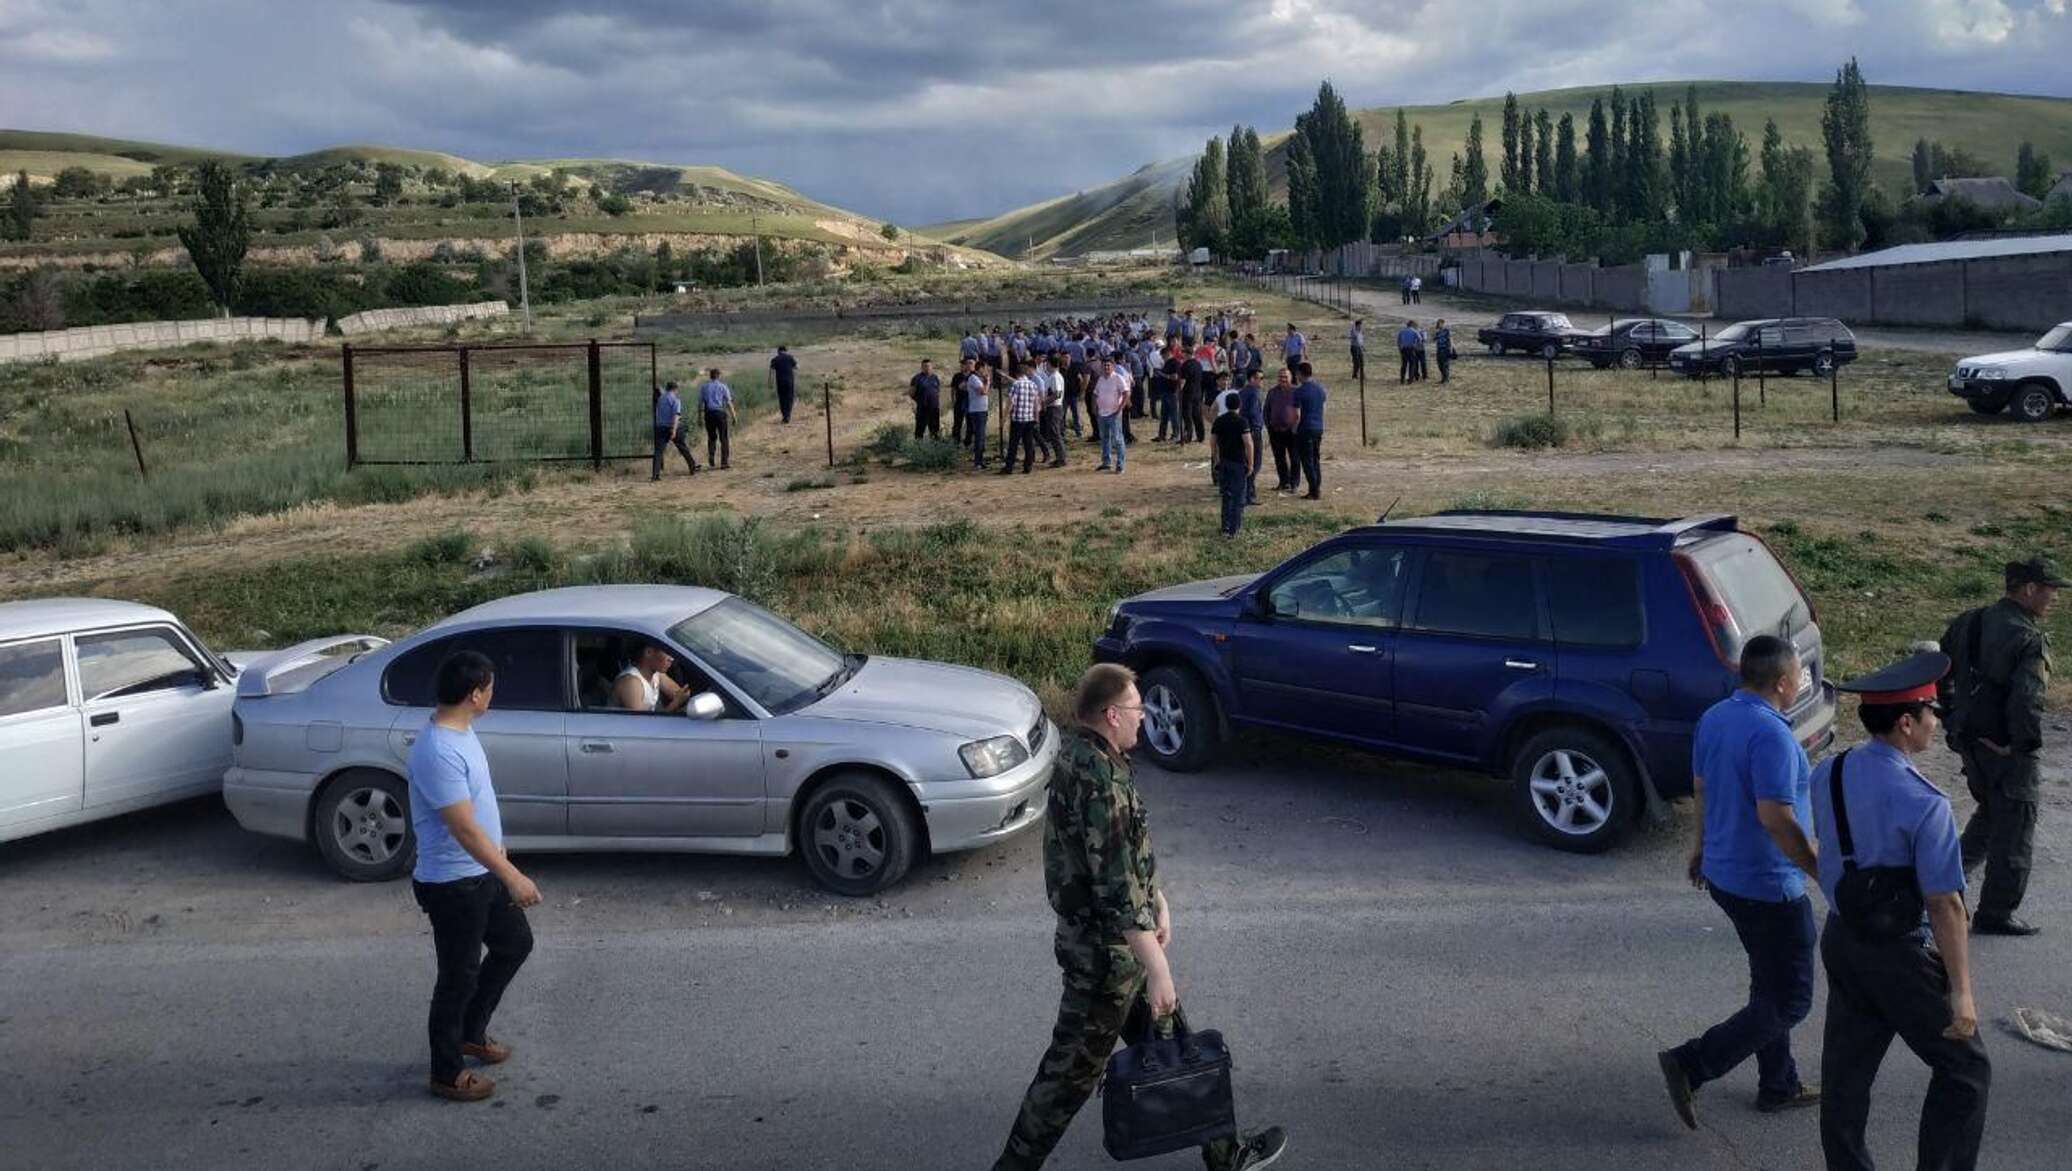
(1953, 250)
(1994, 193)
(2063, 190)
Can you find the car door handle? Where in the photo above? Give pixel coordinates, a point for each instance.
(1360, 648)
(595, 746)
(1521, 664)
(103, 719)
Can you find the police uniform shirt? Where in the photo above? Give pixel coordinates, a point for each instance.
(1897, 817)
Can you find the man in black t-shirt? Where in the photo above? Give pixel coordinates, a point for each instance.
(1191, 378)
(1233, 452)
(784, 370)
(926, 391)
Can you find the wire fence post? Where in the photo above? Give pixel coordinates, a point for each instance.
(1737, 402)
(1363, 403)
(596, 407)
(1703, 355)
(827, 408)
(138, 448)
(1762, 381)
(1550, 386)
(467, 412)
(352, 418)
(1834, 382)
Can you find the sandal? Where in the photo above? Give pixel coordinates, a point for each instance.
(488, 1051)
(468, 1087)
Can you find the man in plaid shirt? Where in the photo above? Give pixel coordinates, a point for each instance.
(1024, 401)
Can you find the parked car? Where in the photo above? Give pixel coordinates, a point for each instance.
(1570, 653)
(859, 763)
(1784, 345)
(2034, 382)
(1535, 332)
(105, 707)
(1634, 342)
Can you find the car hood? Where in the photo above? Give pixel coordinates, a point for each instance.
(1215, 589)
(2004, 358)
(1694, 349)
(933, 697)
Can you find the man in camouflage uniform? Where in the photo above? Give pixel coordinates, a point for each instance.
(2002, 670)
(1113, 927)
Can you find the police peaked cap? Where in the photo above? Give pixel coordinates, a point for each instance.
(1910, 680)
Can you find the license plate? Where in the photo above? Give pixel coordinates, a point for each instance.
(1956, 383)
(1805, 679)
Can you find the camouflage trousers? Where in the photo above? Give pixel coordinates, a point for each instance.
(1103, 1001)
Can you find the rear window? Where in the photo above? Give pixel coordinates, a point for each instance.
(1755, 589)
(1595, 601)
(1478, 594)
(529, 674)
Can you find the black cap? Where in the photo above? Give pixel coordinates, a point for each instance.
(1910, 680)
(2035, 570)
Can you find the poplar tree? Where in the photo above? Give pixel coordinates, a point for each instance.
(1475, 169)
(21, 208)
(221, 232)
(1302, 191)
(1543, 153)
(1566, 184)
(1597, 162)
(1845, 126)
(1510, 167)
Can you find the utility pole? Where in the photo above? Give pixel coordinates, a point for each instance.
(524, 291)
(755, 225)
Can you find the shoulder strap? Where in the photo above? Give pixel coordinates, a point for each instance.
(1841, 811)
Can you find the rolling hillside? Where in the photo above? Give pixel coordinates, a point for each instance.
(1122, 214)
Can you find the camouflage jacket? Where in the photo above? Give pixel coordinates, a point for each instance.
(2005, 696)
(1097, 864)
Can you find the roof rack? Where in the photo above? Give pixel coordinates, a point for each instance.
(1592, 528)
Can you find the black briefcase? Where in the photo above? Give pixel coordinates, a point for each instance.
(1164, 1094)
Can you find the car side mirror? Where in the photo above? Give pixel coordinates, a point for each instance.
(1262, 604)
(706, 705)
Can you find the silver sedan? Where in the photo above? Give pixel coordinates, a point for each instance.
(782, 743)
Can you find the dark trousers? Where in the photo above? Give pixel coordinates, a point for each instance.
(957, 422)
(1309, 452)
(1252, 474)
(469, 915)
(1422, 371)
(1021, 437)
(1234, 478)
(663, 442)
(927, 421)
(787, 395)
(718, 438)
(1075, 388)
(1168, 418)
(1359, 362)
(1445, 365)
(1137, 398)
(1408, 369)
(975, 424)
(2002, 830)
(1779, 939)
(1294, 360)
(1284, 466)
(1192, 427)
(1103, 1001)
(1876, 991)
(1050, 435)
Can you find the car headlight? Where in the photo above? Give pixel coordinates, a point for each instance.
(990, 758)
(1991, 375)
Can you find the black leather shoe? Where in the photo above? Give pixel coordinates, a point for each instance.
(2003, 925)
(1805, 1095)
(1679, 1084)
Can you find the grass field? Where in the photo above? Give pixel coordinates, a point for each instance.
(1992, 127)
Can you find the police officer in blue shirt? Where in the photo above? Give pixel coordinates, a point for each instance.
(1897, 955)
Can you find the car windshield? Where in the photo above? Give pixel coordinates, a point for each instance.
(1733, 333)
(2059, 339)
(780, 666)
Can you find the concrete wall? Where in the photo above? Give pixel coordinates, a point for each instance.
(1623, 288)
(1740, 294)
(2017, 292)
(1843, 293)
(1577, 284)
(1669, 290)
(1546, 280)
(379, 319)
(1917, 294)
(96, 341)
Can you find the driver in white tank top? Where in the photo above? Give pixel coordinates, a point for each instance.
(644, 685)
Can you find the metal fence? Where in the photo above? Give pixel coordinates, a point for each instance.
(498, 403)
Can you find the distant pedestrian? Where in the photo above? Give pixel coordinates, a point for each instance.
(926, 391)
(1281, 417)
(1111, 402)
(1423, 355)
(1358, 340)
(1294, 347)
(1234, 454)
(1309, 430)
(1406, 290)
(1050, 432)
(669, 431)
(1194, 379)
(1904, 970)
(716, 400)
(1408, 342)
(1442, 350)
(960, 400)
(1024, 411)
(2002, 673)
(978, 404)
(1416, 289)
(1113, 927)
(1750, 779)
(784, 371)
(1251, 406)
(463, 881)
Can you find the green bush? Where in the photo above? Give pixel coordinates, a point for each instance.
(932, 455)
(1531, 432)
(443, 549)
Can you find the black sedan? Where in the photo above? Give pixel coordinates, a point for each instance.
(1633, 342)
(1536, 332)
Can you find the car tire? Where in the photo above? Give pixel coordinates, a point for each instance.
(1824, 363)
(1729, 366)
(1630, 359)
(1986, 406)
(362, 826)
(1575, 789)
(1550, 351)
(857, 834)
(2032, 402)
(1179, 731)
(1497, 348)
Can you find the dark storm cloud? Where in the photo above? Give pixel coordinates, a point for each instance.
(919, 109)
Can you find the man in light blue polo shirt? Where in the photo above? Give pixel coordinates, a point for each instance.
(716, 401)
(1754, 853)
(669, 431)
(463, 882)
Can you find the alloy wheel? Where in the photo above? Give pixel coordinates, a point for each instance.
(1165, 720)
(849, 837)
(369, 826)
(1571, 792)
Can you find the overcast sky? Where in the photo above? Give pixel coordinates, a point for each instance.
(919, 110)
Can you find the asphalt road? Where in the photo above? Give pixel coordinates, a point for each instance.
(1404, 980)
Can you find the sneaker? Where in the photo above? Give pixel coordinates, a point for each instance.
(1679, 1084)
(1805, 1095)
(1261, 1148)
(1102, 468)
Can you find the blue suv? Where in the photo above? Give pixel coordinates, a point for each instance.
(1570, 653)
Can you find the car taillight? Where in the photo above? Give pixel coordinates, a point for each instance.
(1713, 614)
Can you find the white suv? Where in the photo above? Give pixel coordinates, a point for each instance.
(2034, 382)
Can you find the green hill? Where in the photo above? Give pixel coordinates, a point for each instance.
(1992, 127)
